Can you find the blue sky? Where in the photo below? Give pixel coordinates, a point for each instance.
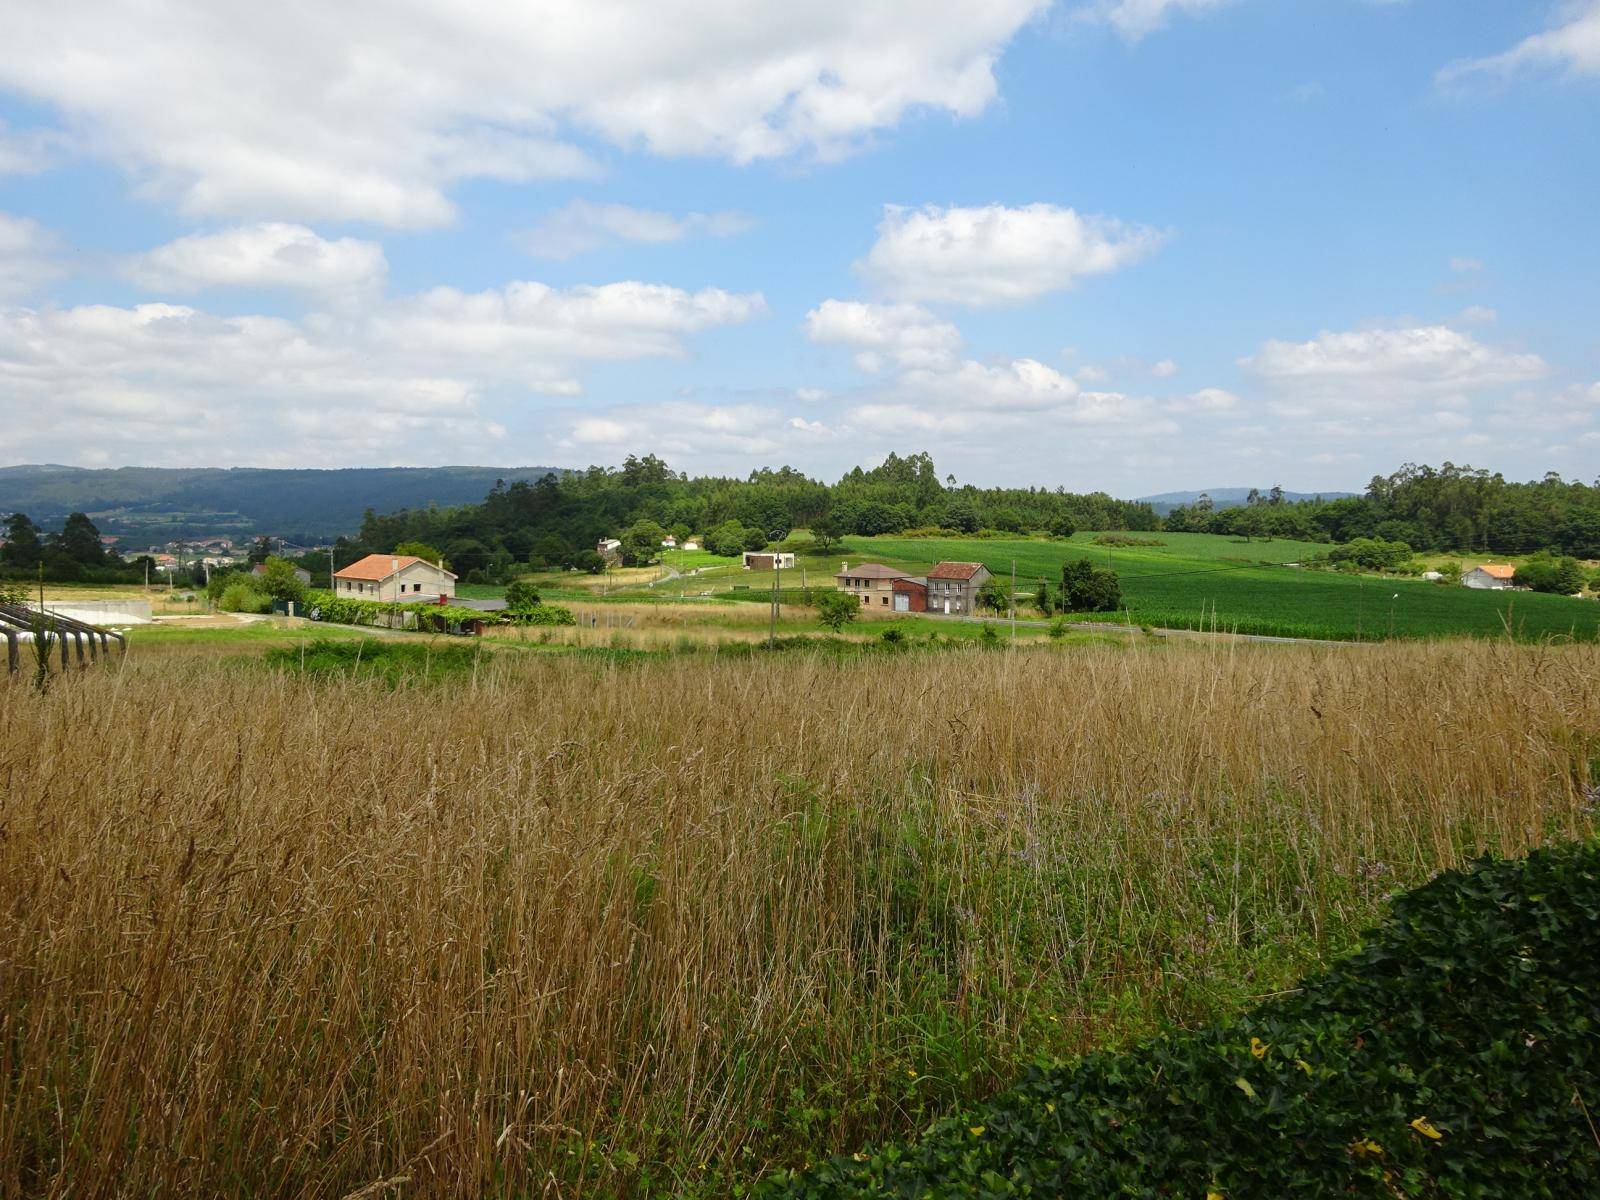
(1137, 245)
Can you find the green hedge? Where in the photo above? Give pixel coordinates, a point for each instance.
(429, 617)
(1457, 1054)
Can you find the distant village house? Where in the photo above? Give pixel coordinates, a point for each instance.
(1489, 575)
(766, 560)
(394, 577)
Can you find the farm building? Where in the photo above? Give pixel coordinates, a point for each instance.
(871, 583)
(1489, 575)
(767, 560)
(609, 549)
(953, 586)
(388, 577)
(910, 595)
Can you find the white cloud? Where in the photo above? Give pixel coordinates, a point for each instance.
(311, 111)
(582, 226)
(27, 256)
(1377, 367)
(996, 255)
(1211, 400)
(163, 382)
(1165, 369)
(903, 335)
(1571, 47)
(1463, 266)
(268, 255)
(1477, 314)
(1134, 19)
(715, 433)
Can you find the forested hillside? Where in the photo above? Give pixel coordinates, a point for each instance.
(160, 503)
(553, 520)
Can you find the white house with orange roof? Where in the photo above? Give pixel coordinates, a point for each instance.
(1489, 575)
(394, 577)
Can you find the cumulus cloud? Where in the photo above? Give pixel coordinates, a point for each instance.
(1572, 48)
(1135, 19)
(582, 226)
(27, 256)
(995, 255)
(1375, 367)
(1214, 401)
(312, 111)
(167, 382)
(720, 433)
(268, 255)
(902, 335)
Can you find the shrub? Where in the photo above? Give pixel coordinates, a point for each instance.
(1456, 1054)
(542, 614)
(1371, 554)
(1544, 573)
(1087, 588)
(835, 609)
(893, 637)
(521, 594)
(240, 597)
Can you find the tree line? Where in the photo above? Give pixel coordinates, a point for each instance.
(1447, 508)
(559, 520)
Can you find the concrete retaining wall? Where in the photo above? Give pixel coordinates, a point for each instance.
(102, 612)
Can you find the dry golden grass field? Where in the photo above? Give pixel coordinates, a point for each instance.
(578, 925)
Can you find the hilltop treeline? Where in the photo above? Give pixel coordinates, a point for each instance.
(1428, 508)
(555, 519)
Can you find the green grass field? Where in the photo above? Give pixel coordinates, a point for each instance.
(1204, 581)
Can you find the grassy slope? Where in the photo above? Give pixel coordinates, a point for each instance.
(1201, 580)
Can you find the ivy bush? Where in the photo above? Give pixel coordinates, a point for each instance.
(1457, 1054)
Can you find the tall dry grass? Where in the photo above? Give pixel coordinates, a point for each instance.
(588, 928)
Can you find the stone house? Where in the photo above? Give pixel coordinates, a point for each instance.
(953, 587)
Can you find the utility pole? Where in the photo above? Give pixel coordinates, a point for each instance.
(1013, 601)
(777, 577)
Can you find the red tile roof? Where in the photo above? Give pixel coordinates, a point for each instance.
(1498, 570)
(955, 570)
(378, 567)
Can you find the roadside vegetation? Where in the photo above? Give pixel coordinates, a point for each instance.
(609, 923)
(1450, 1057)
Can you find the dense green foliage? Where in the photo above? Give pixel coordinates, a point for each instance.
(422, 615)
(554, 520)
(1088, 588)
(1445, 508)
(390, 661)
(1455, 1055)
(1546, 573)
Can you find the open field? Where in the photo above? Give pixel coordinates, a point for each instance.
(577, 925)
(1203, 581)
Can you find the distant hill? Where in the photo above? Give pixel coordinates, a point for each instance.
(157, 504)
(1229, 497)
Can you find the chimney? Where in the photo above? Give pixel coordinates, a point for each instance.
(394, 564)
(844, 568)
